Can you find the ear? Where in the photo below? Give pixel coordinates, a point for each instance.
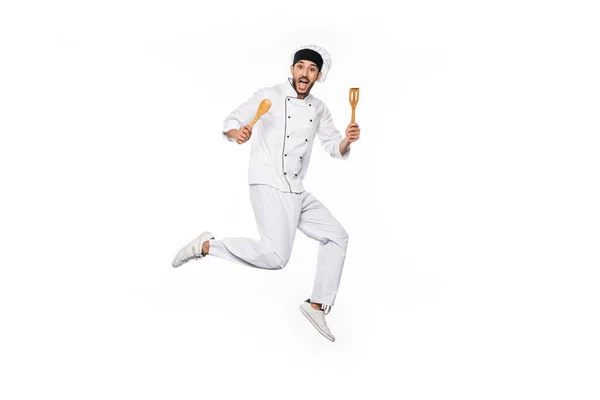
(319, 76)
(292, 70)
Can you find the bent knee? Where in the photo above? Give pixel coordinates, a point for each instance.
(340, 238)
(281, 260)
(344, 239)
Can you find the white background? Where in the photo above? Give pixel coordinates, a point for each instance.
(471, 201)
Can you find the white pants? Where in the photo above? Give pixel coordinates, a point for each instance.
(278, 214)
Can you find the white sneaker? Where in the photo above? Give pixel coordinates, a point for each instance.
(192, 250)
(317, 318)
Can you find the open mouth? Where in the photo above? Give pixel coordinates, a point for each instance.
(302, 84)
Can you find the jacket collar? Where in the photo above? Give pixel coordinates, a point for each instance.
(289, 90)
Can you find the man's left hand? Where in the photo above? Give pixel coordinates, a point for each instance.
(352, 132)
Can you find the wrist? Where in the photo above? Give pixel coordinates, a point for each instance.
(231, 133)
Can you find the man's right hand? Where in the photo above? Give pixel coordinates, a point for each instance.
(241, 135)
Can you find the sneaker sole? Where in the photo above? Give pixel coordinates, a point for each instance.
(184, 247)
(322, 332)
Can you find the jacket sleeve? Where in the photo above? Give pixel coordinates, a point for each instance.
(329, 136)
(243, 114)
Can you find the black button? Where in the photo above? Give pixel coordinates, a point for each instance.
(301, 158)
(285, 173)
(288, 135)
(295, 174)
(289, 116)
(311, 120)
(309, 105)
(306, 140)
(285, 155)
(288, 99)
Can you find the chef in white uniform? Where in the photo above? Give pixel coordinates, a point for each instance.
(281, 147)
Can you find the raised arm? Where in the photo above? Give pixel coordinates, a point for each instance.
(241, 117)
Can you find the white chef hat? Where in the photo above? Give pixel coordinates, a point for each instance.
(324, 55)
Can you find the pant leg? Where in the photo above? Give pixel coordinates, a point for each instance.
(277, 214)
(317, 222)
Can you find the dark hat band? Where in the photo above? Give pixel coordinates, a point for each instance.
(310, 55)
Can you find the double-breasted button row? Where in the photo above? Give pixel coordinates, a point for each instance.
(310, 105)
(289, 116)
(287, 136)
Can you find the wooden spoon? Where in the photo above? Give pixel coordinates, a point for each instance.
(353, 100)
(263, 107)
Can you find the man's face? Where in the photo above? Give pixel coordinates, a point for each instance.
(305, 74)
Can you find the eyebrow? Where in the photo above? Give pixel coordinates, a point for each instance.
(310, 64)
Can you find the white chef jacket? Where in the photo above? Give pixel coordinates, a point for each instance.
(282, 139)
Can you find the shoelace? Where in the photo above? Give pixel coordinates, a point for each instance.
(325, 310)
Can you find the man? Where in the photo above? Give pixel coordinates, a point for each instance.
(281, 147)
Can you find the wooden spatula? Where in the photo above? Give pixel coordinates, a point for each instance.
(353, 100)
(263, 107)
